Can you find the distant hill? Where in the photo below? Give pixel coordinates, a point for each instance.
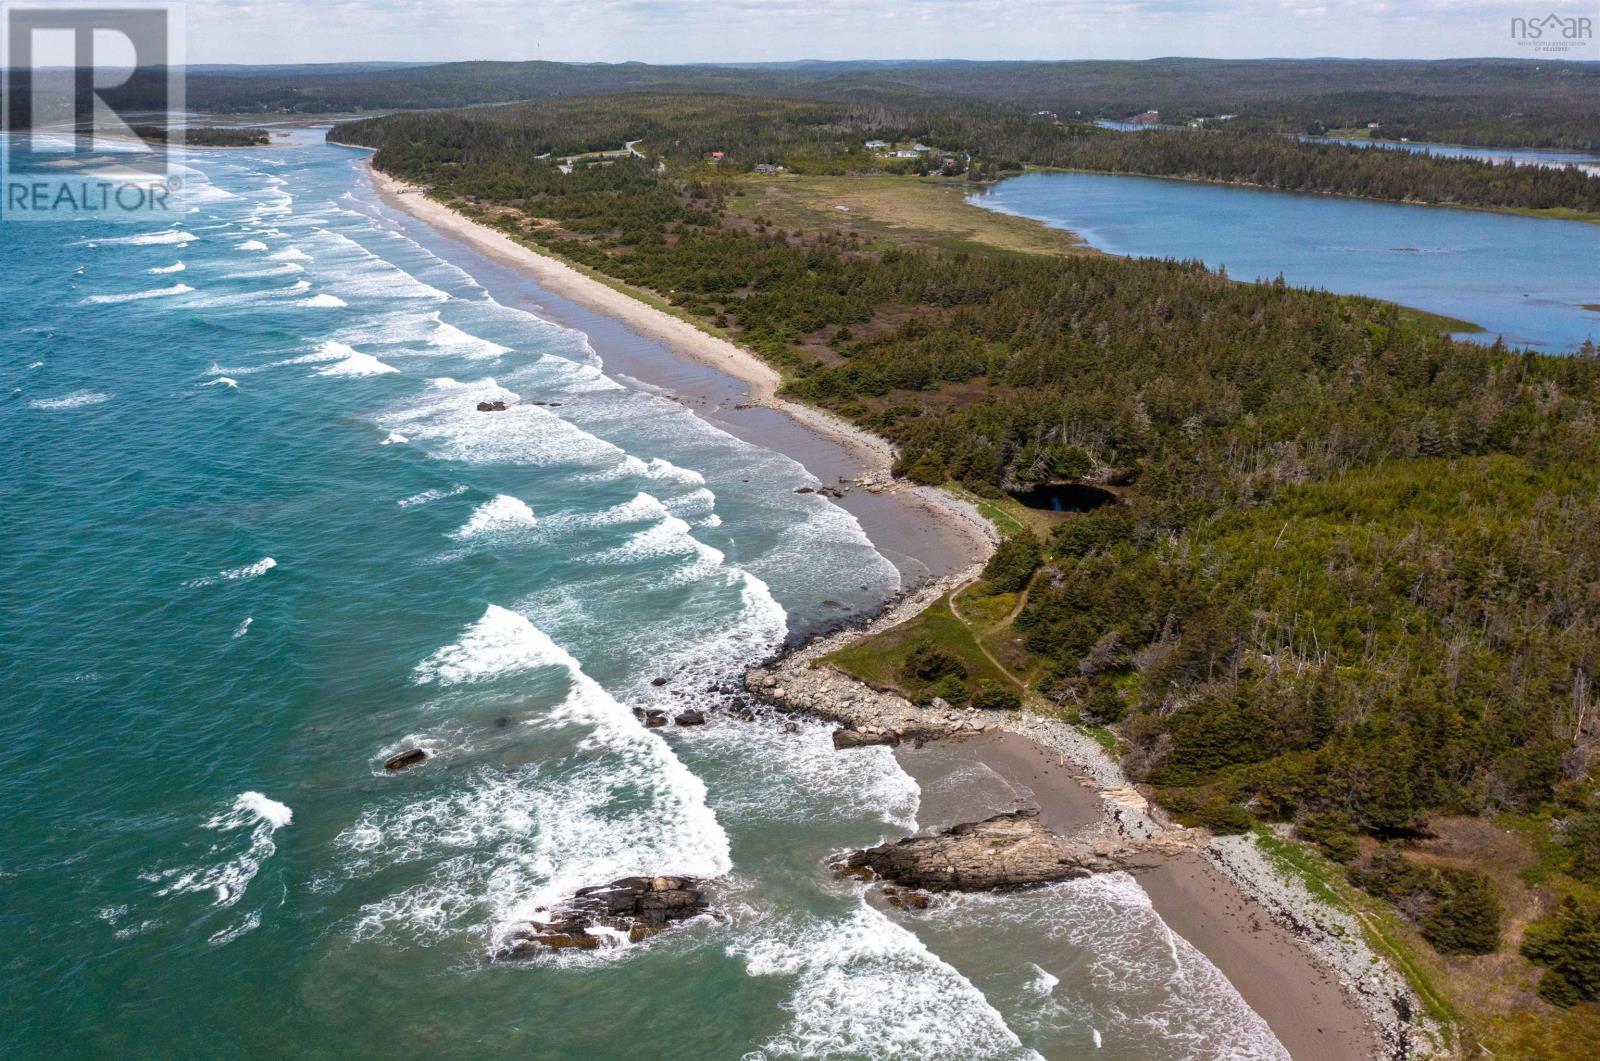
(1484, 101)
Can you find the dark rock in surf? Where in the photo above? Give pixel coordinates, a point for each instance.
(409, 757)
(633, 908)
(658, 682)
(691, 717)
(1004, 852)
(491, 407)
(853, 738)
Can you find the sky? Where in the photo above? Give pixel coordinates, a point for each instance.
(678, 31)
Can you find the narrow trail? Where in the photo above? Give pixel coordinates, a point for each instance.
(977, 633)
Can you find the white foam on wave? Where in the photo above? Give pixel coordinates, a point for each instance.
(656, 469)
(394, 438)
(243, 628)
(1043, 982)
(217, 369)
(668, 538)
(866, 987)
(323, 301)
(250, 245)
(499, 516)
(227, 381)
(1157, 983)
(641, 508)
(156, 292)
(282, 269)
(150, 239)
(229, 878)
(291, 254)
(448, 337)
(446, 417)
(774, 775)
(502, 642)
(74, 400)
(510, 843)
(175, 267)
(357, 364)
(235, 574)
(429, 496)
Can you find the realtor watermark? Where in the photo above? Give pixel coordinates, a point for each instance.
(1555, 34)
(86, 94)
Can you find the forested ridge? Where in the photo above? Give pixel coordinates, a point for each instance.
(981, 139)
(1508, 102)
(1352, 578)
(1292, 165)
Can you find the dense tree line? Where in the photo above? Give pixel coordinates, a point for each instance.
(1530, 103)
(1353, 573)
(1292, 165)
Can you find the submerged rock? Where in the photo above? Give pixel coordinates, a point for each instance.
(999, 853)
(630, 909)
(409, 757)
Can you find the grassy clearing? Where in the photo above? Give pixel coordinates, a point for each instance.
(878, 659)
(1438, 322)
(1102, 736)
(897, 211)
(1008, 514)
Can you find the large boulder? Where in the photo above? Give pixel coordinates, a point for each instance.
(630, 909)
(1003, 852)
(854, 738)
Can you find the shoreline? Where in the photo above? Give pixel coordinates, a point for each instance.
(1298, 986)
(945, 534)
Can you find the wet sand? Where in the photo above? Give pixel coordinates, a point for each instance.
(974, 777)
(1300, 1000)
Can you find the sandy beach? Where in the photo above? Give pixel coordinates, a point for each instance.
(926, 533)
(935, 540)
(974, 777)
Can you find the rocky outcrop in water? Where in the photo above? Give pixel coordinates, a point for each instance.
(844, 738)
(1004, 852)
(491, 407)
(630, 909)
(410, 757)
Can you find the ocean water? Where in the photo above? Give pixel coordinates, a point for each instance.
(1526, 279)
(257, 538)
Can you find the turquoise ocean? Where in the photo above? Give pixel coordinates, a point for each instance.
(256, 538)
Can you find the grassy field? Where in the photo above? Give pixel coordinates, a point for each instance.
(878, 660)
(897, 211)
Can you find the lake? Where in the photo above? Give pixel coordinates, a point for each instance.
(1526, 279)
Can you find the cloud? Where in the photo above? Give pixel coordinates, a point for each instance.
(666, 31)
